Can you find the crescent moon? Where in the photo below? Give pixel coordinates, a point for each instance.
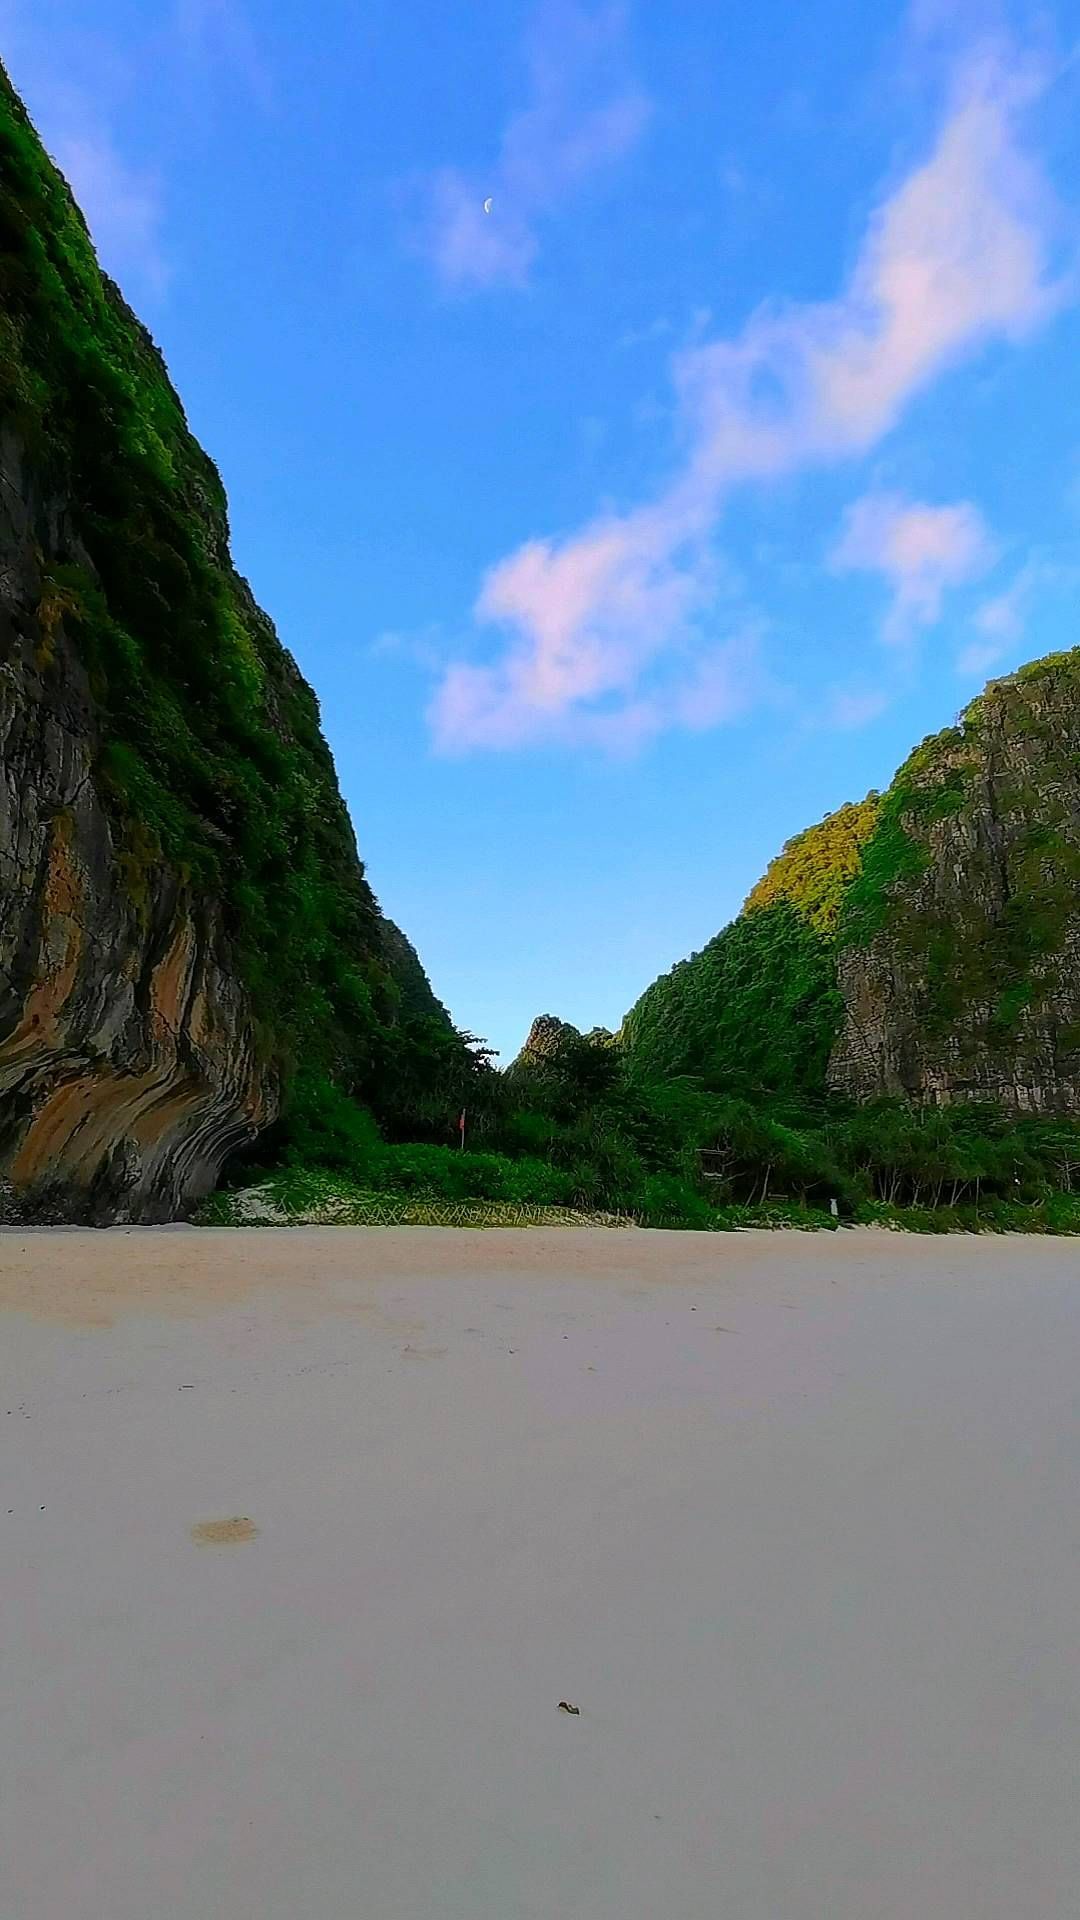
(488, 206)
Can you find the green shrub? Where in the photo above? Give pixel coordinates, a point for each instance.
(322, 1127)
(666, 1201)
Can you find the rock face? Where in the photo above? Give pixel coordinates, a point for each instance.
(546, 1037)
(128, 1066)
(959, 959)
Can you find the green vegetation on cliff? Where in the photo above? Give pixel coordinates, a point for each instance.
(815, 868)
(211, 752)
(754, 1013)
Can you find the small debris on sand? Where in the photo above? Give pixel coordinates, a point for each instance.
(565, 1707)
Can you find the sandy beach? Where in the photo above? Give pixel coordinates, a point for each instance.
(308, 1533)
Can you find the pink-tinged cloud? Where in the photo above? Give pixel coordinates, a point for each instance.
(958, 255)
(593, 618)
(583, 116)
(920, 550)
(590, 618)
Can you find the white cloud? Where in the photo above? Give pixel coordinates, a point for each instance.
(424, 647)
(1003, 620)
(957, 255)
(1003, 616)
(848, 710)
(919, 549)
(582, 116)
(975, 660)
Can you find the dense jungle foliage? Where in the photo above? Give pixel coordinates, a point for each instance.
(754, 1013)
(587, 1130)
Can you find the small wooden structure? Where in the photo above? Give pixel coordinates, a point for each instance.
(714, 1163)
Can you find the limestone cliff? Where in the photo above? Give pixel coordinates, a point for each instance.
(923, 945)
(959, 952)
(184, 920)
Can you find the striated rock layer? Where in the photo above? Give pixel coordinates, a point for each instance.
(128, 1066)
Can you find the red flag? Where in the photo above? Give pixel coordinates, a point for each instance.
(461, 1122)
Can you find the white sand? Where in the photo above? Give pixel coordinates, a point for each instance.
(793, 1520)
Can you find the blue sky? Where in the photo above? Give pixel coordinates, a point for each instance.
(627, 529)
